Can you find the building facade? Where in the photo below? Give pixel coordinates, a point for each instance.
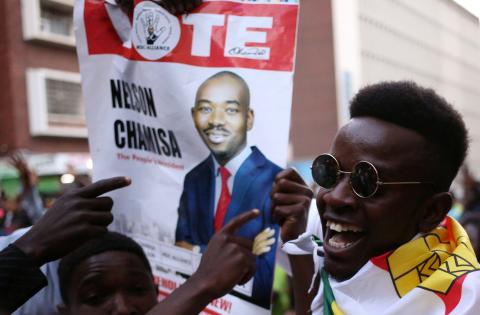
(41, 101)
(342, 46)
(41, 109)
(435, 43)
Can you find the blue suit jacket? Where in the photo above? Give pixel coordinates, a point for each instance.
(251, 189)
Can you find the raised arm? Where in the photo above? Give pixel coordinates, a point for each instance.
(29, 197)
(227, 261)
(27, 178)
(75, 218)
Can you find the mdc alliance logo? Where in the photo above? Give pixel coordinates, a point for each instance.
(156, 32)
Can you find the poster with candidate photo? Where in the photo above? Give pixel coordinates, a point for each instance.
(195, 109)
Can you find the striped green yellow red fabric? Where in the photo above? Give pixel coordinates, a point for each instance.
(330, 306)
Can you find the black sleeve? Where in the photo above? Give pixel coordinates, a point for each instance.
(20, 278)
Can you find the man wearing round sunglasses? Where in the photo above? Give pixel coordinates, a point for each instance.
(388, 246)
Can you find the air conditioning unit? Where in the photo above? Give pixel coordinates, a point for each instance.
(55, 103)
(48, 21)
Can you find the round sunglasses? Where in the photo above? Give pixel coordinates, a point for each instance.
(364, 178)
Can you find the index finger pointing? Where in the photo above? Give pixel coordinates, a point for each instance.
(103, 186)
(240, 220)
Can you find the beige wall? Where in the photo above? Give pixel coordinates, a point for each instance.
(433, 42)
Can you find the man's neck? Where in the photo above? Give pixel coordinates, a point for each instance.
(223, 160)
(234, 163)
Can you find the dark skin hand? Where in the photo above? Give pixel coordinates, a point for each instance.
(176, 7)
(291, 199)
(26, 176)
(75, 218)
(227, 261)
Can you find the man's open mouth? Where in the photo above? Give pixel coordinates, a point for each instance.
(216, 138)
(342, 235)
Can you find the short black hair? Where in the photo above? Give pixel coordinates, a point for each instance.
(232, 75)
(422, 110)
(110, 241)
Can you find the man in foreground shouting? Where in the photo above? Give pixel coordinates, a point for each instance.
(79, 219)
(388, 246)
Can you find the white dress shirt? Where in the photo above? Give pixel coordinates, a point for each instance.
(232, 166)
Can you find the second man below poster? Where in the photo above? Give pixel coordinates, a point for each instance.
(234, 178)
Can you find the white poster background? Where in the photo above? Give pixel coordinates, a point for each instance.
(147, 209)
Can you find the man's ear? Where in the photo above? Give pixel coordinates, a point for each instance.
(250, 119)
(434, 211)
(62, 309)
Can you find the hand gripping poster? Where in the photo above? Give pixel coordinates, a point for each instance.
(195, 109)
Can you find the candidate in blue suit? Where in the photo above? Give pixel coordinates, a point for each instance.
(222, 116)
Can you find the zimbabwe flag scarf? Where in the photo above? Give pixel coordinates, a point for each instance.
(424, 272)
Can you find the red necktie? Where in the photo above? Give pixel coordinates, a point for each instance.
(223, 201)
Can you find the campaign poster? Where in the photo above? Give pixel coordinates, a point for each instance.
(195, 109)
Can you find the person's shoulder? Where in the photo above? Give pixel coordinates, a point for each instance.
(8, 239)
(264, 161)
(201, 168)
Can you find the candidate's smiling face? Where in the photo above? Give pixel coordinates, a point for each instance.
(113, 282)
(222, 116)
(357, 229)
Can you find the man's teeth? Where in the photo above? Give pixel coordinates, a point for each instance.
(340, 227)
(338, 240)
(216, 138)
(334, 243)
